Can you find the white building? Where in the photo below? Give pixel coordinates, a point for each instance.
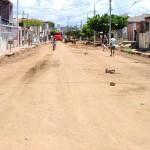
(58, 26)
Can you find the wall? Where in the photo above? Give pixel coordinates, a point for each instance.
(5, 33)
(130, 31)
(148, 32)
(6, 12)
(36, 33)
(143, 40)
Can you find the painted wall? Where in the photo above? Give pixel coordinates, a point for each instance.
(5, 33)
(130, 31)
(143, 40)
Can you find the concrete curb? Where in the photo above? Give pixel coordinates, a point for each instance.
(147, 55)
(15, 50)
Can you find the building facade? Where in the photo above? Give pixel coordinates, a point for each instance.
(6, 12)
(138, 30)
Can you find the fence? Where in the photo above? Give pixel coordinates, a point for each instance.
(5, 33)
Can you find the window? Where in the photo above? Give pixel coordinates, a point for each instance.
(147, 26)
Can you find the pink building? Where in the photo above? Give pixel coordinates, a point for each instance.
(135, 27)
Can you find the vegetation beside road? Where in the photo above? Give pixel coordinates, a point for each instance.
(99, 24)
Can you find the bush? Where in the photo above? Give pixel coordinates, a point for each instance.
(52, 32)
(92, 39)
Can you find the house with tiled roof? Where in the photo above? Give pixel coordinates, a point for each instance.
(136, 30)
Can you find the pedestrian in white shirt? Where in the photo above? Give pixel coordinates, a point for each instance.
(112, 45)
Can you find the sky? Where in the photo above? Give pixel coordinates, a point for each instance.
(73, 12)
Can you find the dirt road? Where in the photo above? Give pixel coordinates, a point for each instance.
(62, 100)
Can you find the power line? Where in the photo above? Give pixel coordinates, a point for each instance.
(56, 9)
(103, 8)
(79, 9)
(118, 5)
(129, 5)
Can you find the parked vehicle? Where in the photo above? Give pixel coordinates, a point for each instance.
(70, 38)
(58, 36)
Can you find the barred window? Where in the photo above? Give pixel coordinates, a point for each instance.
(147, 26)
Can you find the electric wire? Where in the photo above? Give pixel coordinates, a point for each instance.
(80, 11)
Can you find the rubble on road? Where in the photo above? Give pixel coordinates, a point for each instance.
(109, 70)
(112, 84)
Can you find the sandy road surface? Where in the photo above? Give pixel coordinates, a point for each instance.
(61, 100)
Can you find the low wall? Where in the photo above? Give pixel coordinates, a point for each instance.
(5, 33)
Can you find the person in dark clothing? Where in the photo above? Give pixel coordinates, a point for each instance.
(54, 44)
(105, 43)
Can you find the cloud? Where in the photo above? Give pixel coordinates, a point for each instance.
(25, 3)
(73, 11)
(132, 8)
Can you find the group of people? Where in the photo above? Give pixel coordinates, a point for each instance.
(111, 45)
(45, 38)
(50, 38)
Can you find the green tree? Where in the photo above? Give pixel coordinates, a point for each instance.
(68, 30)
(31, 22)
(76, 33)
(101, 23)
(87, 31)
(52, 32)
(51, 24)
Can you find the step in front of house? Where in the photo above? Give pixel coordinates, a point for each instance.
(98, 42)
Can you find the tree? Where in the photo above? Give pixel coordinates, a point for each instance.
(51, 24)
(68, 30)
(101, 23)
(52, 32)
(76, 33)
(87, 31)
(31, 22)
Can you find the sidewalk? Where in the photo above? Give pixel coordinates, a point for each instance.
(14, 50)
(141, 53)
(137, 52)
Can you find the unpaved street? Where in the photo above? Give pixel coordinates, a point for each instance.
(62, 100)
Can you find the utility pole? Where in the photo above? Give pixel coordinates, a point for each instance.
(27, 18)
(81, 25)
(68, 22)
(76, 25)
(25, 36)
(27, 30)
(1, 3)
(94, 30)
(87, 17)
(17, 25)
(94, 10)
(110, 20)
(24, 29)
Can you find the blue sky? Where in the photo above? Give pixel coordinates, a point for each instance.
(71, 12)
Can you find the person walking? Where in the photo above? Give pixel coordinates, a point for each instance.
(54, 44)
(112, 45)
(105, 42)
(29, 40)
(41, 39)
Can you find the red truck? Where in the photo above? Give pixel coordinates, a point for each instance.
(58, 36)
